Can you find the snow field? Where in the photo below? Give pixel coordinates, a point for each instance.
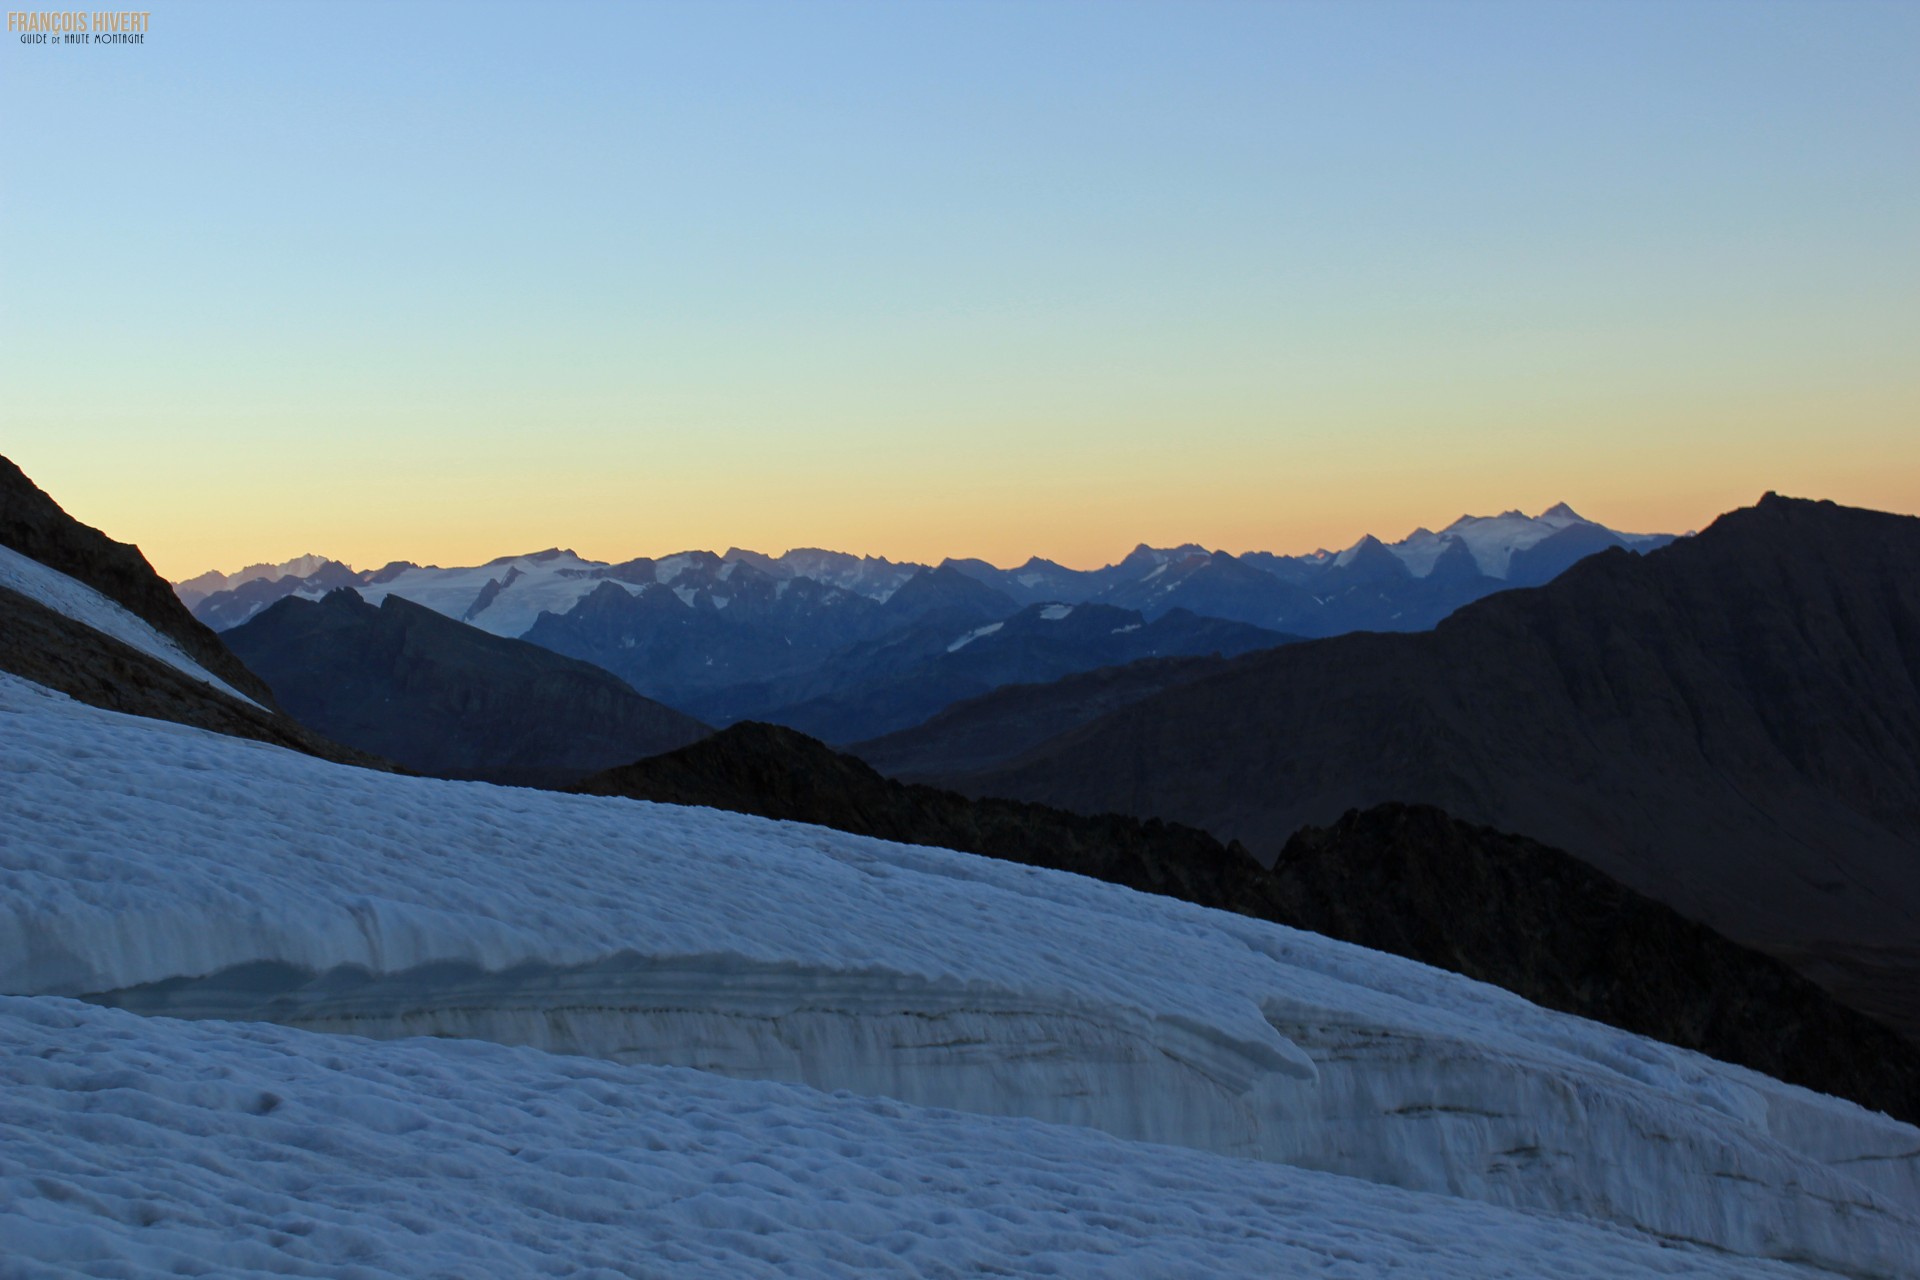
(137, 1147)
(258, 883)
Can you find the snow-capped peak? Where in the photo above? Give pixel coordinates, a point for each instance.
(1492, 540)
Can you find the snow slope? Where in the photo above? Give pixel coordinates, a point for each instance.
(167, 869)
(75, 599)
(137, 1147)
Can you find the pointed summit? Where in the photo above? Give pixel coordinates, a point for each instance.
(1366, 544)
(1562, 512)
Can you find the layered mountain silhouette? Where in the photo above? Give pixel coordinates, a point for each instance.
(905, 676)
(298, 569)
(1730, 724)
(229, 607)
(713, 626)
(447, 699)
(979, 733)
(1411, 881)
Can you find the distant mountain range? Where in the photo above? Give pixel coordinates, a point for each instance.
(1401, 586)
(1730, 724)
(849, 648)
(1372, 585)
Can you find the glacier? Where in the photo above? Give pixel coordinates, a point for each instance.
(170, 871)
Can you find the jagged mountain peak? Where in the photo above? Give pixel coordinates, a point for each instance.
(193, 590)
(1366, 543)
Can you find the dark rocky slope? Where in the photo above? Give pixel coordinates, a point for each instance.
(1515, 913)
(34, 525)
(52, 649)
(1730, 724)
(1410, 881)
(774, 772)
(447, 699)
(979, 733)
(907, 676)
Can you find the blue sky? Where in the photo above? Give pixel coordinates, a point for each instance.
(447, 281)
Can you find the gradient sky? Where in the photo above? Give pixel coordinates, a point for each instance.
(443, 282)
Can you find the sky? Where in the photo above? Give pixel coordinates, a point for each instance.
(443, 282)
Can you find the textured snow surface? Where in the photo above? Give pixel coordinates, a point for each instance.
(167, 869)
(133, 1147)
(75, 599)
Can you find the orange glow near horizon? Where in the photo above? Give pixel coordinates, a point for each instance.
(245, 520)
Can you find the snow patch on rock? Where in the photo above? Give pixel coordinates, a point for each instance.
(74, 599)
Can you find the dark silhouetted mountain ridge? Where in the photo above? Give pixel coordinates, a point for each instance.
(447, 699)
(1730, 724)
